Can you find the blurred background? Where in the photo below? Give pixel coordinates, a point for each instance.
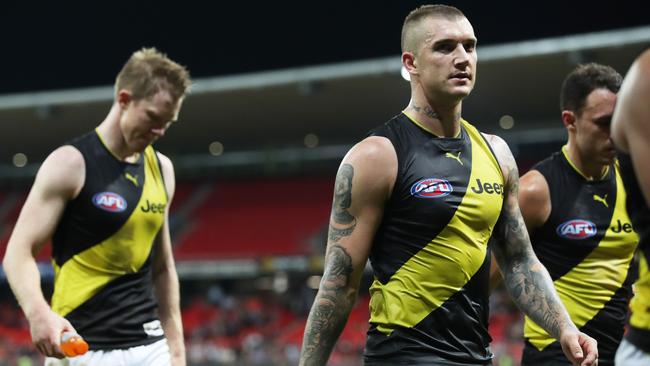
(282, 90)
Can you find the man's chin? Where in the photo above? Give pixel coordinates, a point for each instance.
(461, 91)
(139, 146)
(609, 159)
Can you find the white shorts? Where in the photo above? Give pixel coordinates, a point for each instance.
(155, 354)
(629, 355)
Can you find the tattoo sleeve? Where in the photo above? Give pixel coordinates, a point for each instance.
(342, 223)
(525, 277)
(337, 291)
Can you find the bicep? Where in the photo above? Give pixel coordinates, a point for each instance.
(164, 254)
(511, 240)
(359, 195)
(534, 199)
(638, 142)
(57, 182)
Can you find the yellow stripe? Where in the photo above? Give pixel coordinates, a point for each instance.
(422, 126)
(566, 156)
(588, 286)
(86, 273)
(449, 261)
(640, 304)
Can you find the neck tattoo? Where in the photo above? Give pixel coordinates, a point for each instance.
(425, 110)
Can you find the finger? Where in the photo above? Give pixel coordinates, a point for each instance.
(67, 326)
(48, 349)
(41, 348)
(576, 350)
(58, 353)
(592, 355)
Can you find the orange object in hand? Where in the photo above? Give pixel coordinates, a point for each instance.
(72, 344)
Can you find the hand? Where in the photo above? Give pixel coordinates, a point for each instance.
(46, 327)
(579, 348)
(178, 360)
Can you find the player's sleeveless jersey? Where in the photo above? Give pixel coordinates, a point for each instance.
(587, 245)
(430, 257)
(639, 334)
(102, 249)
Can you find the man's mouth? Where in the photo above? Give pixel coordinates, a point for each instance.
(461, 75)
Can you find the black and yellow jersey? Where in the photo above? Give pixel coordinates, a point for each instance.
(430, 257)
(639, 334)
(587, 245)
(102, 249)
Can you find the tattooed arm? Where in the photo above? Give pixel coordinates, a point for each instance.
(359, 196)
(535, 205)
(525, 277)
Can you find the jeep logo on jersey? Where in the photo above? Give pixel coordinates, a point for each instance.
(577, 229)
(109, 201)
(431, 188)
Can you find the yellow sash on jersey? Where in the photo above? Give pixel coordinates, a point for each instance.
(86, 273)
(591, 284)
(448, 262)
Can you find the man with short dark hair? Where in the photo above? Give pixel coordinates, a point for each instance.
(573, 204)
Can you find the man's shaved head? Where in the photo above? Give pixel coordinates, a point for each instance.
(413, 34)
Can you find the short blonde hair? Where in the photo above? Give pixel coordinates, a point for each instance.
(148, 71)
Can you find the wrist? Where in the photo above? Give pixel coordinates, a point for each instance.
(568, 327)
(35, 312)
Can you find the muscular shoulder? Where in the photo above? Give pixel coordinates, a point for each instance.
(632, 112)
(503, 155)
(534, 198)
(374, 163)
(63, 172)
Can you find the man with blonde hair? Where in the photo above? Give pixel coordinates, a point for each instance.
(103, 201)
(424, 219)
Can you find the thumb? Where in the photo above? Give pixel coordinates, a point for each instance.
(577, 350)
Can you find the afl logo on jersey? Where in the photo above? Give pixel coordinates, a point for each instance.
(577, 229)
(431, 188)
(109, 201)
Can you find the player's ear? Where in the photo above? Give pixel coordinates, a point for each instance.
(123, 98)
(409, 62)
(569, 119)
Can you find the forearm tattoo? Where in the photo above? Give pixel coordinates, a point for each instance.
(342, 223)
(330, 310)
(336, 294)
(526, 279)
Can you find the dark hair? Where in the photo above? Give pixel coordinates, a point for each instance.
(426, 11)
(583, 80)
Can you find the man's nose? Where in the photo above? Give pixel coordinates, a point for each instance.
(461, 56)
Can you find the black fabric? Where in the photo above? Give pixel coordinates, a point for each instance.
(83, 224)
(571, 198)
(606, 328)
(636, 204)
(640, 216)
(113, 318)
(456, 332)
(410, 223)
